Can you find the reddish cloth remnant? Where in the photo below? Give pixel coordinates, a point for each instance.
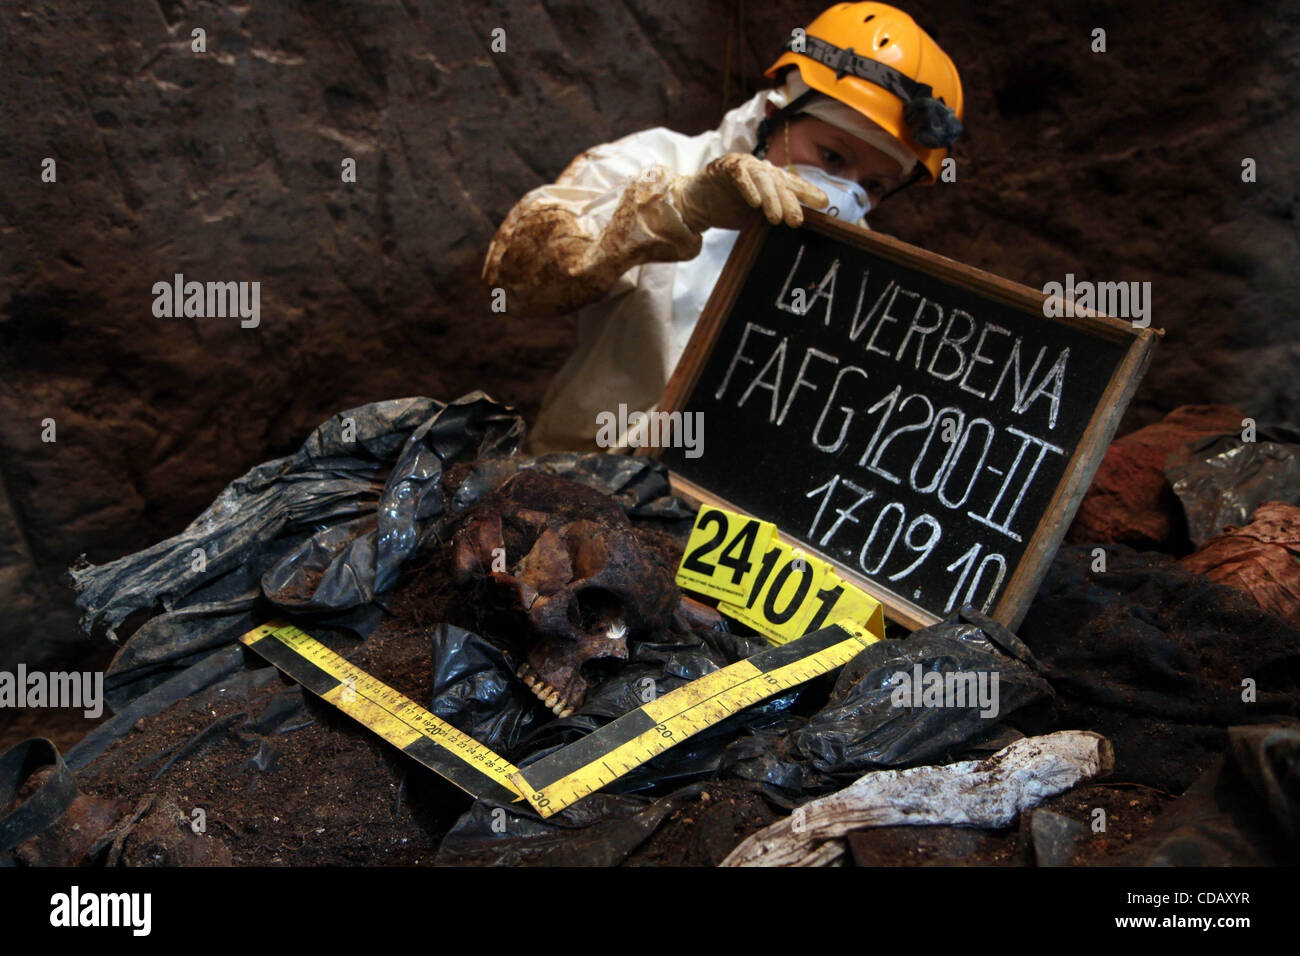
(1262, 559)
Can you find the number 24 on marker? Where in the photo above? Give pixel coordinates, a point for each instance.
(719, 558)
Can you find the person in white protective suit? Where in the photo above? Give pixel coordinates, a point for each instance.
(634, 233)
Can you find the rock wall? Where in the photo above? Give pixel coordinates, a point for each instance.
(225, 165)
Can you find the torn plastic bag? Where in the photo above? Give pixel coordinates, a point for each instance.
(475, 690)
(768, 757)
(858, 726)
(326, 529)
(880, 716)
(774, 745)
(333, 568)
(326, 479)
(1221, 480)
(471, 428)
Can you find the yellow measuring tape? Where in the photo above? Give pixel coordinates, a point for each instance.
(455, 756)
(600, 758)
(581, 768)
(770, 585)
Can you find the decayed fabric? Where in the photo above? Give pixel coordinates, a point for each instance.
(973, 793)
(1262, 559)
(1153, 656)
(608, 238)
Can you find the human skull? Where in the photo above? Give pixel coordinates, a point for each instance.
(566, 558)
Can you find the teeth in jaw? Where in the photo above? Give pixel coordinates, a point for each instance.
(544, 692)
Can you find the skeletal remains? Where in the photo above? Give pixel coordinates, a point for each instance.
(566, 562)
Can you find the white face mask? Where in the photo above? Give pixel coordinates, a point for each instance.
(848, 200)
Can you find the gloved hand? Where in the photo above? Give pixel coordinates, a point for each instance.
(722, 193)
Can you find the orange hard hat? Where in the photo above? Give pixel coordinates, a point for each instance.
(875, 59)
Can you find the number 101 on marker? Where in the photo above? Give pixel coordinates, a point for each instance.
(783, 594)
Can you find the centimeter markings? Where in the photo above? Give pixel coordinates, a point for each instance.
(600, 758)
(560, 780)
(453, 755)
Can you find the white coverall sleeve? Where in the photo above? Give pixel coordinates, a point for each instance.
(564, 246)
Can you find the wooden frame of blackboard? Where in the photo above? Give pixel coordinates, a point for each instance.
(1046, 538)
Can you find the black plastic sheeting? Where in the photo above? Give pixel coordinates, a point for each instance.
(324, 530)
(1222, 479)
(865, 731)
(319, 536)
(809, 741)
(42, 808)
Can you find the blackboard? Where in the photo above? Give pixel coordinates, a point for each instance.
(919, 423)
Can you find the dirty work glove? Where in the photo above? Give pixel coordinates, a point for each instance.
(722, 193)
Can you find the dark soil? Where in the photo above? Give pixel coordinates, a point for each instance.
(323, 790)
(337, 793)
(1131, 810)
(703, 833)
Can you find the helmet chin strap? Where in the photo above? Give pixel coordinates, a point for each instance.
(918, 173)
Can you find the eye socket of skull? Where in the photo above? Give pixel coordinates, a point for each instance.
(594, 609)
